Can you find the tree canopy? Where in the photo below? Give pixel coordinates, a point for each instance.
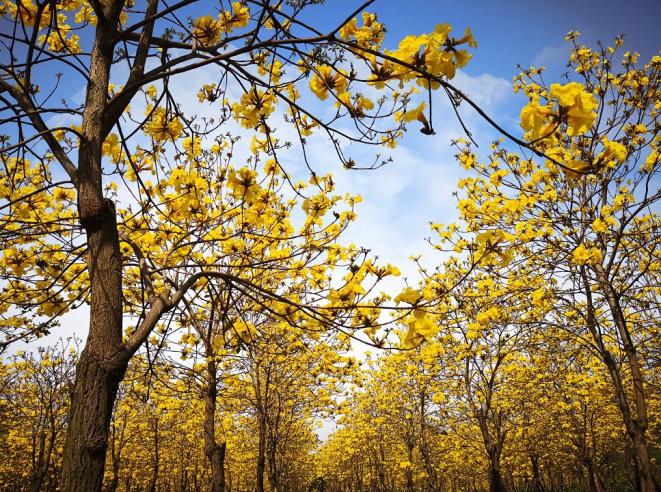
(229, 316)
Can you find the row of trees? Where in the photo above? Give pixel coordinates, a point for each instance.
(262, 434)
(531, 353)
(541, 330)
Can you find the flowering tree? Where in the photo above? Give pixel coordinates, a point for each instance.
(106, 207)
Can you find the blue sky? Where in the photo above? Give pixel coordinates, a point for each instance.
(417, 187)
(402, 198)
(511, 32)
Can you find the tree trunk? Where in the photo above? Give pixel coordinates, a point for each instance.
(39, 470)
(261, 453)
(409, 471)
(432, 478)
(595, 482)
(102, 363)
(274, 478)
(496, 483)
(156, 465)
(215, 452)
(537, 483)
(645, 480)
(636, 425)
(87, 434)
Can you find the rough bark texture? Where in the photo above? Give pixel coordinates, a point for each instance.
(87, 435)
(100, 368)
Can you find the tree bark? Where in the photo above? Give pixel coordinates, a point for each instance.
(496, 483)
(102, 363)
(409, 470)
(156, 465)
(261, 452)
(537, 483)
(215, 452)
(274, 478)
(635, 423)
(87, 435)
(595, 482)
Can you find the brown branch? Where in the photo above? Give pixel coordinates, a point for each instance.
(25, 102)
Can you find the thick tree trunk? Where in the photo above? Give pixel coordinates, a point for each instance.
(87, 435)
(645, 480)
(103, 362)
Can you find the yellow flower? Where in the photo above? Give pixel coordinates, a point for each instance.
(534, 118)
(151, 91)
(574, 169)
(468, 38)
(15, 260)
(586, 256)
(489, 248)
(613, 150)
(325, 79)
(579, 106)
(192, 146)
(408, 295)
(347, 30)
(112, 147)
(255, 106)
(599, 225)
(237, 18)
(243, 183)
(162, 126)
(206, 30)
(316, 206)
(416, 113)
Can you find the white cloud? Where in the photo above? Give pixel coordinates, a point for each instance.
(551, 56)
(399, 199)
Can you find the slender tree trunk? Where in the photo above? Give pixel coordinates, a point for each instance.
(215, 452)
(115, 479)
(636, 424)
(274, 478)
(432, 478)
(537, 483)
(595, 482)
(382, 473)
(409, 471)
(38, 469)
(261, 452)
(496, 483)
